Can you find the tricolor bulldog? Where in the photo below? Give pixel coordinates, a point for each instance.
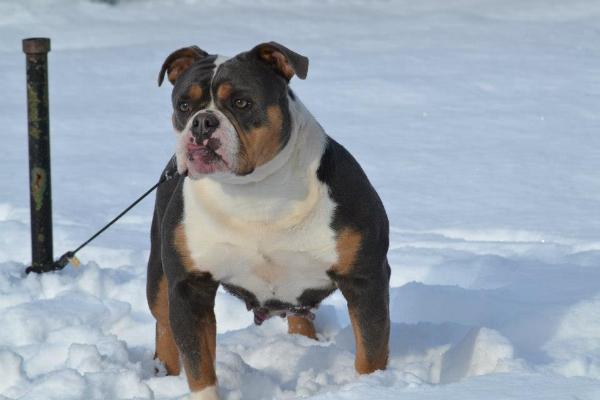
(267, 205)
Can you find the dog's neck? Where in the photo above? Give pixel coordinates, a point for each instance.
(283, 189)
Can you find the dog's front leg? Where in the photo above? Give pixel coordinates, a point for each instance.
(366, 290)
(192, 318)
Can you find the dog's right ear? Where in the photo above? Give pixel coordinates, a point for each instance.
(178, 62)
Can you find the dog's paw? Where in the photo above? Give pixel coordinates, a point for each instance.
(208, 393)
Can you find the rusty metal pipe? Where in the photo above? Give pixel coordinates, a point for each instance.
(36, 50)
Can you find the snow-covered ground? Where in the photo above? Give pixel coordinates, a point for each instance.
(477, 121)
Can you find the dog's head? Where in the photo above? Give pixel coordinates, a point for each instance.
(231, 116)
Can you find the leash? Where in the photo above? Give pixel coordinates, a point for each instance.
(69, 256)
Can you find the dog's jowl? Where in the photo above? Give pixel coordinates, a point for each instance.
(266, 205)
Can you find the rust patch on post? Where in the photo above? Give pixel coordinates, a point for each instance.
(33, 101)
(38, 186)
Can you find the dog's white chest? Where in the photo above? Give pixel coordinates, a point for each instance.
(274, 248)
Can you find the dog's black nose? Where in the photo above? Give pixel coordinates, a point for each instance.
(204, 125)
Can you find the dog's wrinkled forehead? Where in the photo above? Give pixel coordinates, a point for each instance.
(247, 76)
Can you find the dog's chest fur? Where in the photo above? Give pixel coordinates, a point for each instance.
(275, 247)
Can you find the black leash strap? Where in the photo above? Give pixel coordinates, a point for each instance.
(170, 173)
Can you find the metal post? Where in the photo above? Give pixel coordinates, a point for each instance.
(36, 50)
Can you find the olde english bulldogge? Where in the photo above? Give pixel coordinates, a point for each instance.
(267, 205)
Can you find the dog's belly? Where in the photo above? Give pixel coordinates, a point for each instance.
(276, 261)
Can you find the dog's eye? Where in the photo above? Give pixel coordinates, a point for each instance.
(241, 103)
(184, 107)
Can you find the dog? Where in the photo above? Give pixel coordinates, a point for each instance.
(265, 204)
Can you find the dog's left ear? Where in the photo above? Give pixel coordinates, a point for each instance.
(178, 62)
(286, 62)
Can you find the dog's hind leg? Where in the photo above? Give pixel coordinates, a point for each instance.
(367, 292)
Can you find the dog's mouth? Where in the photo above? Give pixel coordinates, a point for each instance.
(203, 157)
(207, 151)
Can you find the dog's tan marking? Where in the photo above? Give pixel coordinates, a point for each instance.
(166, 349)
(181, 245)
(347, 245)
(204, 375)
(301, 326)
(178, 62)
(224, 91)
(179, 67)
(260, 145)
(362, 362)
(195, 92)
(277, 58)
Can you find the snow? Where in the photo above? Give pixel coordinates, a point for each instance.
(477, 121)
